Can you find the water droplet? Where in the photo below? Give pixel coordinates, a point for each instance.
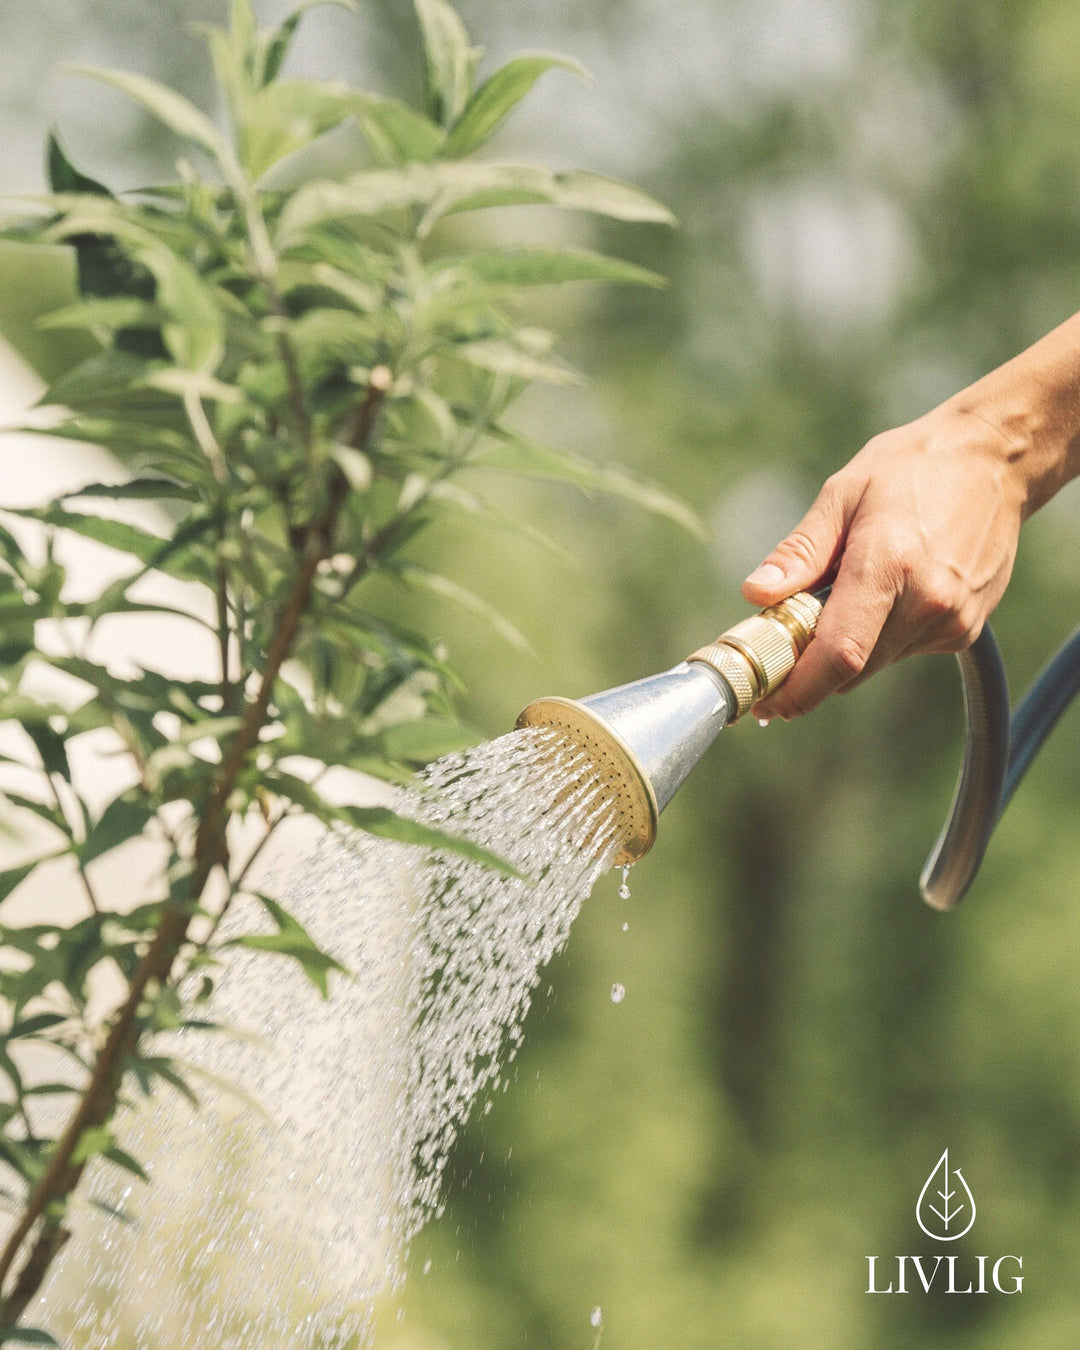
(427, 1266)
(763, 721)
(626, 928)
(596, 1317)
(618, 993)
(624, 889)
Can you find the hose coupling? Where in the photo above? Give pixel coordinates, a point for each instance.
(757, 655)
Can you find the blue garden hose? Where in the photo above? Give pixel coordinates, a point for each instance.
(998, 750)
(997, 753)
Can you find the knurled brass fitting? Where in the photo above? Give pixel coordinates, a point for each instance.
(757, 655)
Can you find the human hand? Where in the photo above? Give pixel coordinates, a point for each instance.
(920, 532)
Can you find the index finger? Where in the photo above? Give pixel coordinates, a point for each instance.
(847, 633)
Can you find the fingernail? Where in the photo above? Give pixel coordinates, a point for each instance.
(768, 574)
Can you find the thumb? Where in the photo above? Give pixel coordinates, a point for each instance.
(801, 560)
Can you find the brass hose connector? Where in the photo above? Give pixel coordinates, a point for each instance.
(758, 654)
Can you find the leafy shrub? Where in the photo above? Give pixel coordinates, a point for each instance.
(302, 377)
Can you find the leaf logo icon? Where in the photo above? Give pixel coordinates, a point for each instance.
(946, 1208)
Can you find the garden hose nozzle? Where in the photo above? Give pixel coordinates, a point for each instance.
(642, 739)
(757, 655)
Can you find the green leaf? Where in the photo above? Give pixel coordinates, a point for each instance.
(103, 312)
(27, 1336)
(194, 331)
(292, 939)
(113, 1211)
(63, 176)
(50, 746)
(427, 738)
(95, 1139)
(395, 131)
(517, 455)
(284, 117)
(136, 489)
(547, 266)
(31, 1026)
(149, 1067)
(124, 818)
(386, 824)
(504, 358)
(448, 61)
(100, 382)
(113, 533)
(498, 95)
(169, 107)
(415, 575)
(579, 190)
(278, 42)
(123, 1159)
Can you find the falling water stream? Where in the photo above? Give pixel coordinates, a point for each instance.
(280, 1213)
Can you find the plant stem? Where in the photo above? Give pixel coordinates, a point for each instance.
(99, 1099)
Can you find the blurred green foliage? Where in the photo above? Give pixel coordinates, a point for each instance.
(879, 201)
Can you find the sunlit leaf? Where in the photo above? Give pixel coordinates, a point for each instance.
(497, 95)
(448, 60)
(107, 312)
(520, 456)
(278, 42)
(446, 589)
(292, 939)
(169, 107)
(546, 266)
(94, 1139)
(427, 738)
(504, 358)
(386, 824)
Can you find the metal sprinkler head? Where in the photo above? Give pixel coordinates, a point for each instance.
(642, 739)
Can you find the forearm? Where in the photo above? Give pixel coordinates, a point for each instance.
(1033, 402)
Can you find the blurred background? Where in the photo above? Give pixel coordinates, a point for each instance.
(879, 200)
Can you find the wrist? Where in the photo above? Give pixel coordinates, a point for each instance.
(1032, 404)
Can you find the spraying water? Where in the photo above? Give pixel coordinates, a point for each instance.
(281, 1217)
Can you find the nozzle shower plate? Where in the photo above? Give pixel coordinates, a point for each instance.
(612, 762)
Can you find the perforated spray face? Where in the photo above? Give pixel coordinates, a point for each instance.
(612, 763)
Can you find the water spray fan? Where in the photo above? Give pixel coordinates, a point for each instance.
(640, 740)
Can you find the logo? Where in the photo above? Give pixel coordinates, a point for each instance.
(945, 1211)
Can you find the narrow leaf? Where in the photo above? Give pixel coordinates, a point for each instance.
(427, 738)
(395, 131)
(506, 359)
(63, 175)
(386, 824)
(123, 819)
(498, 95)
(580, 190)
(280, 40)
(137, 489)
(447, 60)
(517, 455)
(169, 107)
(27, 1336)
(95, 1139)
(126, 1161)
(547, 266)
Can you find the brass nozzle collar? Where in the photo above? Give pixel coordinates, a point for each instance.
(756, 656)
